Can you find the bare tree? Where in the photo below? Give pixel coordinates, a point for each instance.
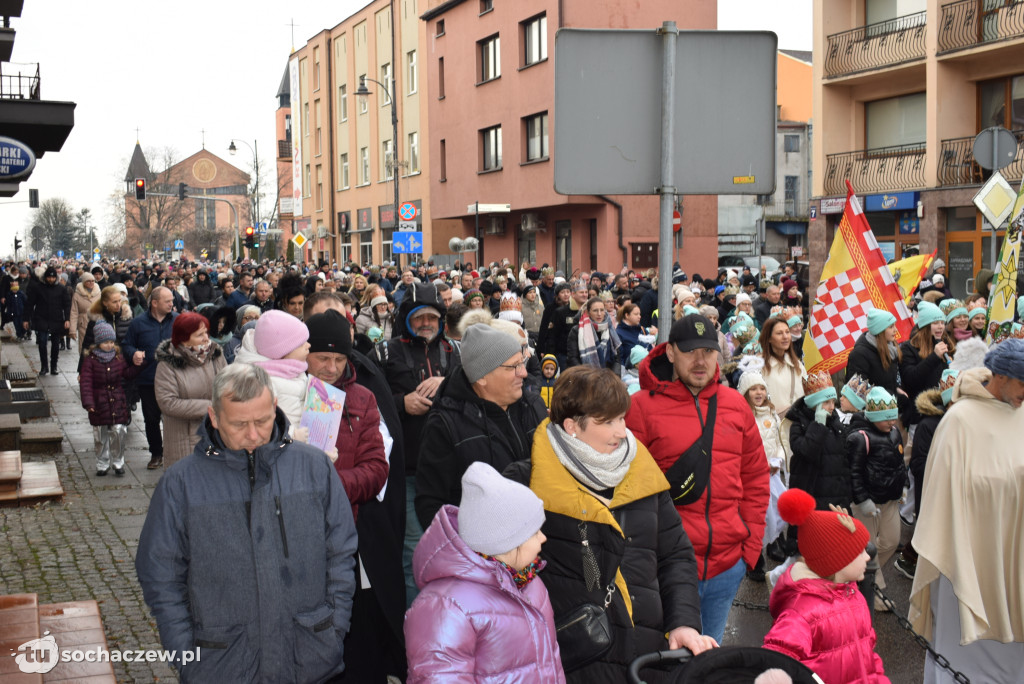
(52, 228)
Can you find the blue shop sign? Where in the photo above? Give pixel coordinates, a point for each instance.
(892, 201)
(16, 159)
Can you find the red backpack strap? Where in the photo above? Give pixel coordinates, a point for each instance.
(867, 443)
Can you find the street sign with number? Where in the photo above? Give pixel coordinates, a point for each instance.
(408, 211)
(406, 225)
(407, 242)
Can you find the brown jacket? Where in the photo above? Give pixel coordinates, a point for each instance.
(184, 390)
(81, 302)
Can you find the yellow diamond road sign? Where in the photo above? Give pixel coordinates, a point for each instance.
(995, 199)
(300, 240)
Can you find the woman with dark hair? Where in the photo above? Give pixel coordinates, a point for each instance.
(924, 356)
(875, 356)
(631, 333)
(783, 372)
(614, 538)
(594, 342)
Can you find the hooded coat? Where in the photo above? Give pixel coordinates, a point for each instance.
(368, 318)
(102, 389)
(290, 391)
(48, 306)
(183, 390)
(462, 428)
(250, 556)
(470, 623)
(930, 408)
(727, 522)
(826, 626)
(201, 290)
(81, 303)
(408, 359)
(119, 322)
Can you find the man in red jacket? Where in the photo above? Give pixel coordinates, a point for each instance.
(718, 475)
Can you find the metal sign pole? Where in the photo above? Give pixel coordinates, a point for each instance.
(668, 32)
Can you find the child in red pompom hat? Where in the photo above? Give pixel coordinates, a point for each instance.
(821, 618)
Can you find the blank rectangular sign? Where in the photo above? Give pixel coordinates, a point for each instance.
(608, 97)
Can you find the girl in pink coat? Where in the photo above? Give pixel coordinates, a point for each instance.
(821, 618)
(482, 614)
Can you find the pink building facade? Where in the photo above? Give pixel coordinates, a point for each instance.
(490, 71)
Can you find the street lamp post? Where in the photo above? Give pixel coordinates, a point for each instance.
(256, 162)
(363, 92)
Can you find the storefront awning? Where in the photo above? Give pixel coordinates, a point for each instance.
(788, 227)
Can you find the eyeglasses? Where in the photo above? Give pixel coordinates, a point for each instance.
(516, 367)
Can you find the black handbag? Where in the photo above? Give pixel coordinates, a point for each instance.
(584, 634)
(688, 476)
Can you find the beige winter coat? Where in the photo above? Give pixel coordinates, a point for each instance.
(184, 390)
(81, 302)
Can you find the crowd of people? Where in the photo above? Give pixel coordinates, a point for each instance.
(521, 468)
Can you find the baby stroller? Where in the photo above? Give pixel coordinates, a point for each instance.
(726, 665)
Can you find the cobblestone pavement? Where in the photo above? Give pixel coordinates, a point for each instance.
(84, 547)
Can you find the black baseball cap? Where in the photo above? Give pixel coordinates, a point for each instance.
(694, 332)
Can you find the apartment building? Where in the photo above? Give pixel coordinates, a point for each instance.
(900, 92)
(349, 152)
(490, 103)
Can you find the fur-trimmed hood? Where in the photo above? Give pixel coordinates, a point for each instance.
(929, 403)
(170, 354)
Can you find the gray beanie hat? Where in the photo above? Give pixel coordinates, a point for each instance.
(484, 349)
(1007, 359)
(496, 515)
(241, 312)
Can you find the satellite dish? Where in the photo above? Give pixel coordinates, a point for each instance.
(470, 244)
(456, 245)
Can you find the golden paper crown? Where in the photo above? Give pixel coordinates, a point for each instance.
(816, 381)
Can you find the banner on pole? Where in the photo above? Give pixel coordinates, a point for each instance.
(1003, 300)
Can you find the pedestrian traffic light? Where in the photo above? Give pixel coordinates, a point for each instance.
(248, 236)
(140, 189)
(181, 191)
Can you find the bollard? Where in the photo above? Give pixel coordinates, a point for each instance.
(867, 585)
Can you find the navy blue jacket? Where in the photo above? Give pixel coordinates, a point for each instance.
(251, 558)
(144, 334)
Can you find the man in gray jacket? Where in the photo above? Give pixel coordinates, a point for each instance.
(246, 557)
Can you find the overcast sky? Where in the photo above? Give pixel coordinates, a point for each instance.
(173, 70)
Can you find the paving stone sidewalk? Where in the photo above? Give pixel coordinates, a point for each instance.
(84, 547)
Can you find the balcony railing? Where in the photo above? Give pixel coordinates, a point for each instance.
(785, 209)
(957, 165)
(19, 81)
(968, 23)
(876, 46)
(882, 169)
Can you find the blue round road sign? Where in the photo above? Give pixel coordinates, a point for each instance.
(408, 211)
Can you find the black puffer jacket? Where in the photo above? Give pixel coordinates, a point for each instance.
(931, 409)
(200, 290)
(640, 548)
(48, 306)
(865, 361)
(876, 462)
(407, 360)
(818, 464)
(918, 375)
(462, 428)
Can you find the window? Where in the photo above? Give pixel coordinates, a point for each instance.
(386, 241)
(440, 78)
(444, 161)
(791, 143)
(364, 165)
(316, 106)
(535, 40)
(537, 137)
(1002, 103)
(319, 188)
(344, 171)
(486, 6)
(439, 30)
(388, 154)
(343, 102)
(385, 78)
(316, 68)
(792, 189)
(410, 72)
(307, 182)
(305, 118)
(490, 59)
(895, 121)
(490, 139)
(414, 153)
(563, 246)
(366, 252)
(363, 104)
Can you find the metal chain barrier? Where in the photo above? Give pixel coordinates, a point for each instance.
(942, 661)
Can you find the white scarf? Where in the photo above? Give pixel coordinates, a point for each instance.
(595, 470)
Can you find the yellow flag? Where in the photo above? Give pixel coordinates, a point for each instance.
(909, 272)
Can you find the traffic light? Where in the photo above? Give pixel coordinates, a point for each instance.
(140, 189)
(248, 236)
(33, 199)
(181, 191)
(17, 245)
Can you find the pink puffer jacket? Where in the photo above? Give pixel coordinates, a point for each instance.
(470, 622)
(827, 627)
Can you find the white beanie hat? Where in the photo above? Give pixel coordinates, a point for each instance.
(496, 515)
(748, 380)
(742, 297)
